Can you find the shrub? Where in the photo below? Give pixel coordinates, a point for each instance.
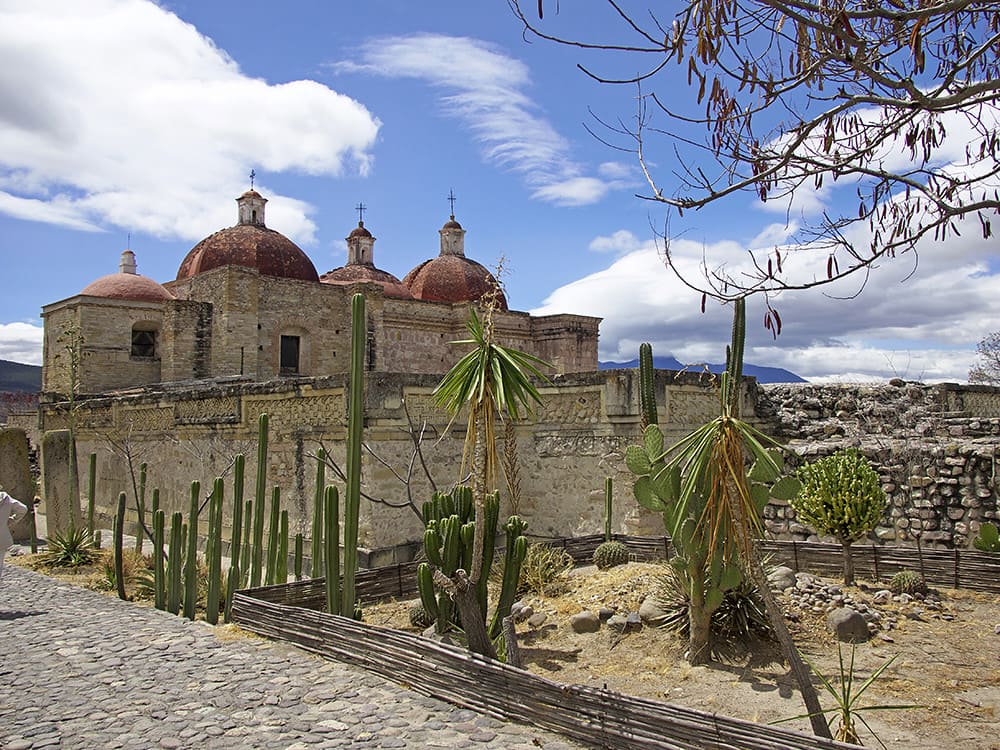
(610, 554)
(738, 621)
(841, 495)
(988, 539)
(542, 566)
(72, 548)
(907, 582)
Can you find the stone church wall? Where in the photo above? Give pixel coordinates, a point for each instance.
(936, 447)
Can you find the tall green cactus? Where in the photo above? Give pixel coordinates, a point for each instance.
(608, 507)
(140, 510)
(234, 577)
(159, 570)
(91, 494)
(297, 565)
(272, 537)
(174, 561)
(647, 387)
(119, 553)
(355, 423)
(213, 594)
(256, 549)
(316, 564)
(281, 564)
(448, 543)
(331, 554)
(191, 558)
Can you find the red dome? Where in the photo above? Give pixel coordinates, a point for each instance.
(354, 273)
(451, 278)
(129, 286)
(252, 246)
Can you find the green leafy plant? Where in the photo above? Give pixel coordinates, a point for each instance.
(739, 619)
(542, 567)
(72, 548)
(907, 582)
(610, 555)
(841, 495)
(846, 694)
(988, 539)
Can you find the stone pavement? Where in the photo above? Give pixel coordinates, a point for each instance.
(79, 669)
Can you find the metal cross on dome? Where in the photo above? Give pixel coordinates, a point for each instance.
(252, 175)
(451, 199)
(361, 208)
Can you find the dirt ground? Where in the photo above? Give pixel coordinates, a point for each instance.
(950, 668)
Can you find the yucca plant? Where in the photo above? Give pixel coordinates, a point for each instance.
(490, 381)
(846, 694)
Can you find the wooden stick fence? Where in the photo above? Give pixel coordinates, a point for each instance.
(600, 718)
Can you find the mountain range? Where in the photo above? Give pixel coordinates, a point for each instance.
(19, 378)
(763, 374)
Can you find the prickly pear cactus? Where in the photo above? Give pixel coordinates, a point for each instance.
(988, 539)
(610, 555)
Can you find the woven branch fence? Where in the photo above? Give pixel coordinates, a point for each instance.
(600, 718)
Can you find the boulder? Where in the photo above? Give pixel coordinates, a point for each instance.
(651, 613)
(585, 622)
(848, 625)
(781, 578)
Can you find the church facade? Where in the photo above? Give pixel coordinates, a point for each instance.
(248, 303)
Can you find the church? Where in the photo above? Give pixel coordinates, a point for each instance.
(248, 303)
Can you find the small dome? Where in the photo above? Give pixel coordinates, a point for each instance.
(451, 278)
(360, 231)
(127, 284)
(252, 246)
(451, 224)
(353, 274)
(249, 244)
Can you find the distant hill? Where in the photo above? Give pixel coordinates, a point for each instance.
(20, 378)
(763, 374)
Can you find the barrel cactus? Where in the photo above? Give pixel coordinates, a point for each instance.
(610, 555)
(907, 582)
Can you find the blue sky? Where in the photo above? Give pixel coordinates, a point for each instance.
(122, 117)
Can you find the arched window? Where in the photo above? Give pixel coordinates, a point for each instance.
(143, 341)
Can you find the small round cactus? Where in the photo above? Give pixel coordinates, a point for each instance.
(420, 617)
(907, 582)
(610, 554)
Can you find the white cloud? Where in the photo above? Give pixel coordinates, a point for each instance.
(118, 112)
(925, 327)
(21, 342)
(622, 241)
(485, 89)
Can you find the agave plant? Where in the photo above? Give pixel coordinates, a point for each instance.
(71, 548)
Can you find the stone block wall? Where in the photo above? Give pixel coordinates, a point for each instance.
(935, 447)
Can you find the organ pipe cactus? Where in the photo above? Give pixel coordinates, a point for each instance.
(647, 388)
(174, 568)
(272, 537)
(140, 510)
(91, 494)
(159, 570)
(609, 553)
(317, 520)
(281, 565)
(119, 552)
(256, 547)
(841, 495)
(298, 557)
(213, 594)
(355, 423)
(331, 555)
(191, 558)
